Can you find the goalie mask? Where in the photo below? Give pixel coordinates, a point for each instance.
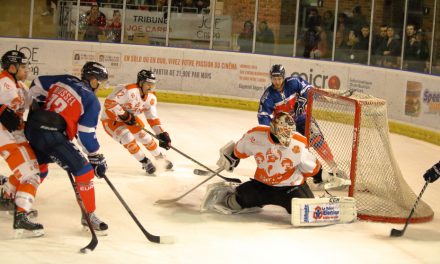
(282, 127)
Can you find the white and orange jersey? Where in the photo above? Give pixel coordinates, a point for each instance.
(277, 165)
(15, 95)
(128, 98)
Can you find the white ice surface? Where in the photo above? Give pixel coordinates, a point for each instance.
(266, 237)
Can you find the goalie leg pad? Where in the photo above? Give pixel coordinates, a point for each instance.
(215, 193)
(323, 211)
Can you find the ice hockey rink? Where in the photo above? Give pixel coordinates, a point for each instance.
(266, 237)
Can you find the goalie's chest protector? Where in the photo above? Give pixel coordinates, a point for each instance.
(277, 165)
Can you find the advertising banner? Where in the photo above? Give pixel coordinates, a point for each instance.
(412, 98)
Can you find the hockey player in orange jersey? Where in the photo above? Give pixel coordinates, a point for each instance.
(283, 164)
(22, 185)
(120, 120)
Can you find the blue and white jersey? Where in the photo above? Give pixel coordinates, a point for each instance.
(75, 101)
(295, 90)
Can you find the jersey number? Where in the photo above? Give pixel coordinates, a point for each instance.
(57, 104)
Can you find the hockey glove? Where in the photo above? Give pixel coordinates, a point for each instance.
(228, 161)
(330, 180)
(9, 119)
(99, 164)
(164, 140)
(128, 118)
(433, 173)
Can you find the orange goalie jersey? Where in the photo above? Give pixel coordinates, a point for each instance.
(277, 165)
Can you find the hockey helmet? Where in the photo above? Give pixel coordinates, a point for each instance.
(277, 70)
(94, 70)
(282, 127)
(146, 76)
(13, 57)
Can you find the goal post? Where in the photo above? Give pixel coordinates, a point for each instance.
(354, 125)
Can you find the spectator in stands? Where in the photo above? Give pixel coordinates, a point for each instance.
(358, 19)
(341, 29)
(411, 45)
(364, 37)
(352, 50)
(311, 35)
(185, 6)
(265, 39)
(245, 38)
(161, 4)
(202, 6)
(95, 21)
(392, 50)
(419, 62)
(379, 45)
(328, 21)
(49, 10)
(114, 28)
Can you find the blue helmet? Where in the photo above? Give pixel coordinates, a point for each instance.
(277, 70)
(94, 70)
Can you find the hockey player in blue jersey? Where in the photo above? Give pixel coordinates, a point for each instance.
(68, 108)
(290, 95)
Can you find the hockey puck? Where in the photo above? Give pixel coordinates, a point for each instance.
(200, 172)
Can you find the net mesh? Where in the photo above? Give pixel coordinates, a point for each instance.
(345, 118)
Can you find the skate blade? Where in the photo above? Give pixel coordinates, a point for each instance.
(97, 232)
(23, 233)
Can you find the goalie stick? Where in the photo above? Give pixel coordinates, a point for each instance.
(399, 233)
(195, 161)
(94, 242)
(150, 237)
(169, 201)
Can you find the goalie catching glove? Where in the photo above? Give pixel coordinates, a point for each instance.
(228, 161)
(9, 119)
(164, 140)
(99, 164)
(330, 180)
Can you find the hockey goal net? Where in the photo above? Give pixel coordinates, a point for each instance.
(355, 127)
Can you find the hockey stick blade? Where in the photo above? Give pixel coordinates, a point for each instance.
(170, 201)
(150, 237)
(396, 233)
(91, 246)
(399, 233)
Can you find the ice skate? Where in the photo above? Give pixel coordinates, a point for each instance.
(98, 226)
(25, 228)
(168, 164)
(148, 166)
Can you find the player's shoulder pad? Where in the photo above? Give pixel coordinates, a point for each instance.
(259, 129)
(298, 137)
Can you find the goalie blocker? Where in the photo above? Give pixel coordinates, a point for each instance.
(323, 211)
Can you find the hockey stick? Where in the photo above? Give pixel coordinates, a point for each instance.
(150, 237)
(94, 242)
(399, 233)
(192, 189)
(195, 161)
